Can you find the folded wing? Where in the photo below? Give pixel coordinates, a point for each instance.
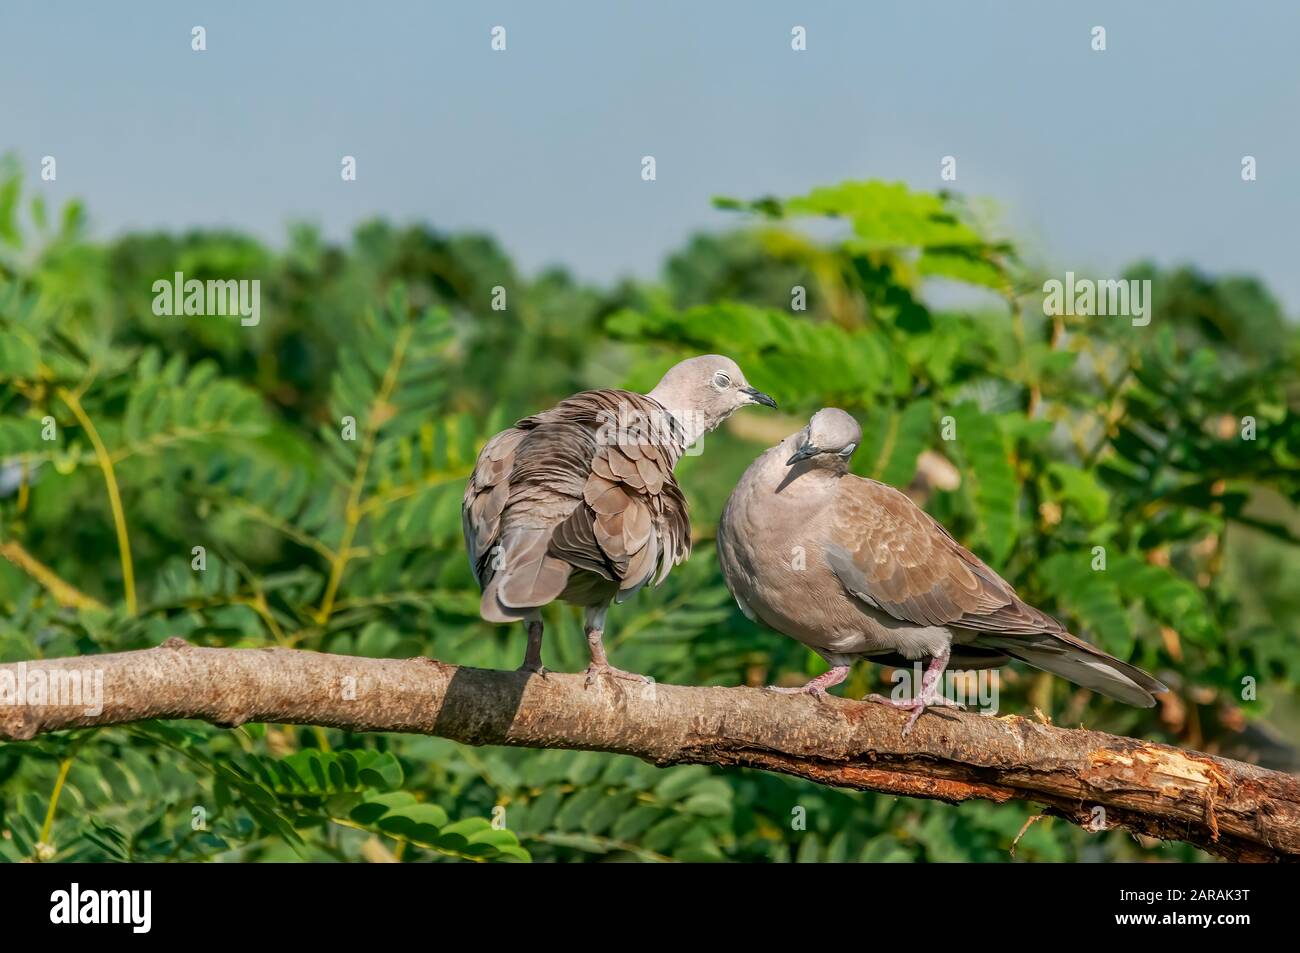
(586, 486)
(896, 558)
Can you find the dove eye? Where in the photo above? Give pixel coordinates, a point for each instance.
(721, 381)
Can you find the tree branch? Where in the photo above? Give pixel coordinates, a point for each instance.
(1232, 809)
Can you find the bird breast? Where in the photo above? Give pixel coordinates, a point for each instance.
(772, 550)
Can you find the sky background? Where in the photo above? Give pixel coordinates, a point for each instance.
(1095, 159)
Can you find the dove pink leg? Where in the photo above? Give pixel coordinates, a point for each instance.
(819, 684)
(594, 624)
(928, 695)
(533, 654)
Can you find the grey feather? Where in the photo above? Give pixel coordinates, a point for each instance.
(878, 577)
(579, 502)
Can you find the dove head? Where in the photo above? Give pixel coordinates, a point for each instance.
(828, 441)
(702, 392)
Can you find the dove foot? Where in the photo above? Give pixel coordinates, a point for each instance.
(595, 626)
(915, 705)
(929, 695)
(594, 671)
(817, 687)
(907, 704)
(533, 655)
(797, 690)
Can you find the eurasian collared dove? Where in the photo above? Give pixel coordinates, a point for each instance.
(852, 568)
(579, 503)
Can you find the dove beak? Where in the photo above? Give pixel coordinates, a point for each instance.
(805, 452)
(758, 397)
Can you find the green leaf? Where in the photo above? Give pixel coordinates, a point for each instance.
(1082, 489)
(987, 465)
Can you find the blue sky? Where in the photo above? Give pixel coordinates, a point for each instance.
(1096, 159)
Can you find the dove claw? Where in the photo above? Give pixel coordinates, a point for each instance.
(814, 690)
(817, 687)
(594, 671)
(916, 706)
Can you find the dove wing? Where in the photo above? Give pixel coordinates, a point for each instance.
(485, 499)
(895, 557)
(576, 487)
(631, 524)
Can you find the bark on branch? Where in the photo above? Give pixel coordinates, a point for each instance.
(1236, 810)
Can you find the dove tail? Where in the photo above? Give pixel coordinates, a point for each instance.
(529, 577)
(1074, 659)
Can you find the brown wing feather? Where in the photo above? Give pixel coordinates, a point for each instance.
(633, 518)
(894, 556)
(485, 498)
(603, 495)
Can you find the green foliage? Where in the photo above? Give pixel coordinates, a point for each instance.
(1034, 440)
